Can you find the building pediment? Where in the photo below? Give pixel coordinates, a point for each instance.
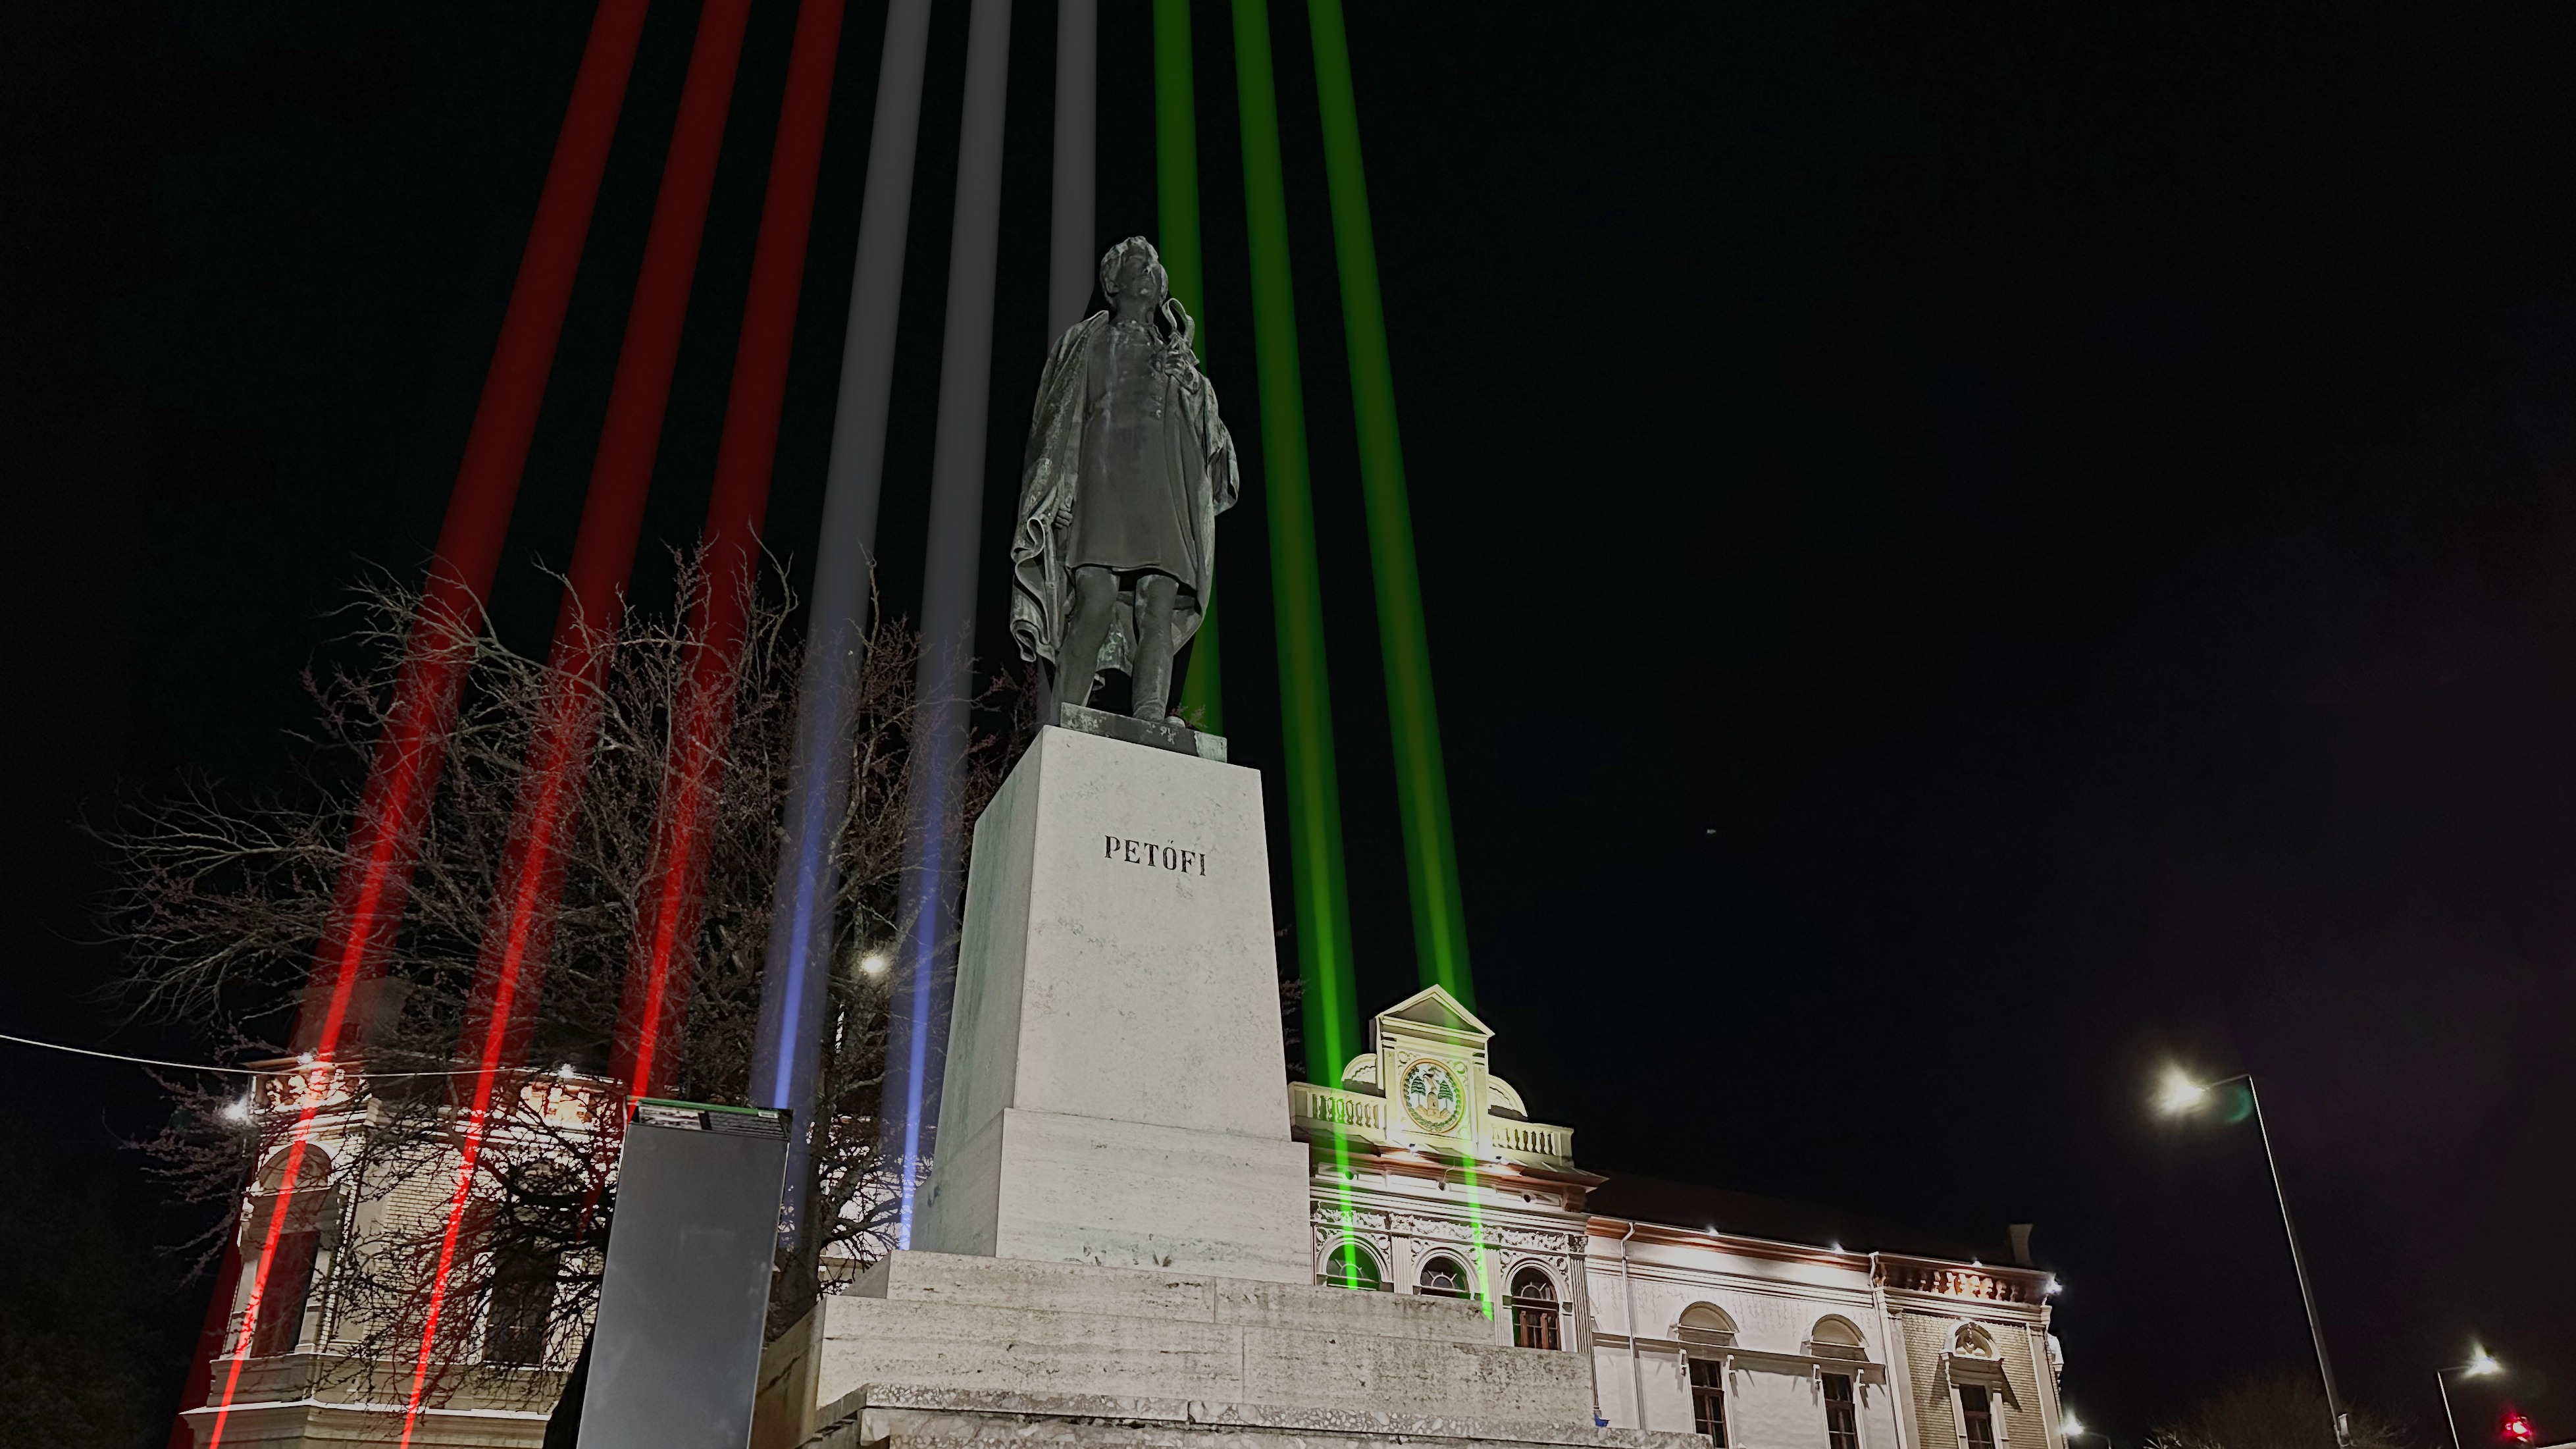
(1426, 1086)
(1435, 1008)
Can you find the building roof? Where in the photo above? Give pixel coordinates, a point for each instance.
(1687, 1205)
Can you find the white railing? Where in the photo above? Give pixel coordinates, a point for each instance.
(1530, 1139)
(1328, 1107)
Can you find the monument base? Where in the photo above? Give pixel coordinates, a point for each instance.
(1072, 1189)
(934, 1349)
(899, 1417)
(1179, 739)
(1117, 1090)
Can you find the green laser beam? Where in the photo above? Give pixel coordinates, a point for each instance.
(1421, 779)
(1322, 920)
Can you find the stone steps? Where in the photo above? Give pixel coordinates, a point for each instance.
(910, 1416)
(938, 1322)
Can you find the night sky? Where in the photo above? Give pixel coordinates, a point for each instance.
(1970, 552)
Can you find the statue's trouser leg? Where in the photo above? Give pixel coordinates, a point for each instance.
(1077, 662)
(1155, 595)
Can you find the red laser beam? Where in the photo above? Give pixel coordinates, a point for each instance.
(665, 943)
(501, 1014)
(519, 935)
(385, 837)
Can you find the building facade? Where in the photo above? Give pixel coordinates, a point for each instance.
(332, 1357)
(1431, 1177)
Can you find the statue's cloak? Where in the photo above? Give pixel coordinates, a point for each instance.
(1051, 484)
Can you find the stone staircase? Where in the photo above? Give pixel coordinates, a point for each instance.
(942, 1351)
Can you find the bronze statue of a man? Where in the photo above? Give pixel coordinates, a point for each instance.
(1128, 466)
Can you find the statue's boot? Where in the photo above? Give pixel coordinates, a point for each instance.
(1152, 668)
(1077, 667)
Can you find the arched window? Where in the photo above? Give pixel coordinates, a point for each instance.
(1835, 1340)
(1834, 1337)
(1442, 1277)
(1705, 1325)
(286, 1287)
(1533, 1310)
(1708, 1335)
(1350, 1266)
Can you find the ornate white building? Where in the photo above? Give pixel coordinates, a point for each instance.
(314, 1369)
(1428, 1178)
(1431, 1178)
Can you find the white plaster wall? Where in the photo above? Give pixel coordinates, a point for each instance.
(1775, 1304)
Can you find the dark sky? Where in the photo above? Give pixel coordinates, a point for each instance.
(1971, 552)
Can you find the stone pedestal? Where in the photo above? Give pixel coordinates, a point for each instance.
(1123, 1246)
(1116, 1090)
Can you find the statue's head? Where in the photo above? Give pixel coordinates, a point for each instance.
(1134, 265)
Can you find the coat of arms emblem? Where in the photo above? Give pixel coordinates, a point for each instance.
(1431, 1095)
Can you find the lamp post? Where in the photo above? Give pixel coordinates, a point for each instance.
(2072, 1428)
(2181, 1094)
(2481, 1365)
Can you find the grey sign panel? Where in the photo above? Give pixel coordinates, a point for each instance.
(675, 1358)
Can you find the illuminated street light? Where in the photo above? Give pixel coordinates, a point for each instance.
(2181, 1094)
(873, 964)
(237, 1111)
(2481, 1364)
(2071, 1428)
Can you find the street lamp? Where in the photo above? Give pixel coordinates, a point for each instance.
(2481, 1365)
(2071, 1428)
(2181, 1094)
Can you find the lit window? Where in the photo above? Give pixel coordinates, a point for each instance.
(1977, 1416)
(1533, 1310)
(1442, 1277)
(1350, 1266)
(1708, 1399)
(1842, 1416)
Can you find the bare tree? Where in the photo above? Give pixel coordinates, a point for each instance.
(2280, 1410)
(459, 1272)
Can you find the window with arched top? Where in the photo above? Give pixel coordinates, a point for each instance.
(1705, 1325)
(282, 1240)
(1707, 1333)
(1351, 1266)
(1445, 1277)
(1534, 1321)
(1836, 1337)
